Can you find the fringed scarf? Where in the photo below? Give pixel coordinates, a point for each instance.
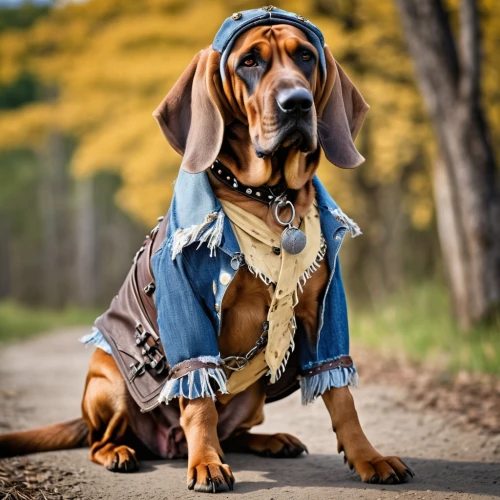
(286, 273)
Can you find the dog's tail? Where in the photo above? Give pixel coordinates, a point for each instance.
(63, 436)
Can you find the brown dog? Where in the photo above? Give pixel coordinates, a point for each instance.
(244, 113)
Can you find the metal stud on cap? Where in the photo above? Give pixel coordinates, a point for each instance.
(268, 8)
(236, 16)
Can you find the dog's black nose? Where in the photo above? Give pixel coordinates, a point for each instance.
(294, 101)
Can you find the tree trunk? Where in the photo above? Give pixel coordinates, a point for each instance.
(466, 181)
(449, 238)
(87, 247)
(54, 209)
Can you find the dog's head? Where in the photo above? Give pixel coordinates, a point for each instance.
(259, 99)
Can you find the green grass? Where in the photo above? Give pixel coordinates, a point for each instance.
(19, 322)
(418, 324)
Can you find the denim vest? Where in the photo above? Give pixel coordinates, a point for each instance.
(191, 281)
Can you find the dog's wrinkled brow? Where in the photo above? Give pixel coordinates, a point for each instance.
(261, 48)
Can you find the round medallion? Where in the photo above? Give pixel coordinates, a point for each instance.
(293, 240)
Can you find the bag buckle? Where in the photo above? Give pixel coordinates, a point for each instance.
(235, 363)
(137, 370)
(150, 349)
(150, 289)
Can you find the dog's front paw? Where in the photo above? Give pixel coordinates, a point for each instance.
(210, 477)
(381, 470)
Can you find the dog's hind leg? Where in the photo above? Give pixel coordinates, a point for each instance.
(104, 409)
(266, 445)
(244, 411)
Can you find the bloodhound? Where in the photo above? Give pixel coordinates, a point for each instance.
(262, 144)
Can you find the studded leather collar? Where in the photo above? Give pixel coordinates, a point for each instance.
(263, 194)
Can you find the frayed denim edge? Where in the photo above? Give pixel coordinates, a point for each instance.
(209, 232)
(96, 338)
(197, 383)
(353, 228)
(312, 387)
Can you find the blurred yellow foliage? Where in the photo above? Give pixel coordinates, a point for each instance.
(106, 64)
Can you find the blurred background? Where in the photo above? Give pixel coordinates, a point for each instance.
(85, 171)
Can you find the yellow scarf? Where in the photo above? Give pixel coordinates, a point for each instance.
(284, 273)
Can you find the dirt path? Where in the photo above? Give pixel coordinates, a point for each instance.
(41, 382)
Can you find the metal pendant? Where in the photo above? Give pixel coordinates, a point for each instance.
(293, 240)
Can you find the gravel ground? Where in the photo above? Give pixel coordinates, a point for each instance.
(41, 382)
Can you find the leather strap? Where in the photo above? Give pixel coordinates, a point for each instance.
(183, 368)
(263, 194)
(343, 361)
(144, 273)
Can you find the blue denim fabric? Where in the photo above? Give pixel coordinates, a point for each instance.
(235, 25)
(188, 287)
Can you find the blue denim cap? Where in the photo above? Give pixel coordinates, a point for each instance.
(240, 22)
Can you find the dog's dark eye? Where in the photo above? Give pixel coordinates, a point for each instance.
(249, 62)
(306, 56)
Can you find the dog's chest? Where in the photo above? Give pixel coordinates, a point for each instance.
(246, 305)
(244, 311)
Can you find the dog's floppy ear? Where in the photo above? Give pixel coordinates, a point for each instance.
(341, 111)
(191, 116)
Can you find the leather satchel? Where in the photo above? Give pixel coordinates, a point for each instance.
(130, 326)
